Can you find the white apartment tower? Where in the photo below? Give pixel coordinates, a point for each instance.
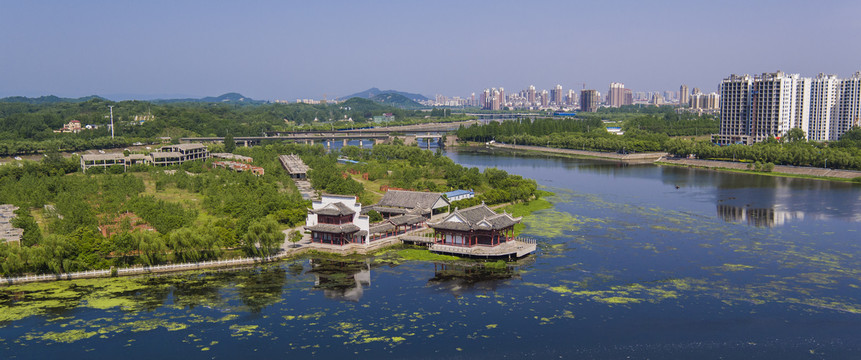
(756, 108)
(848, 105)
(823, 108)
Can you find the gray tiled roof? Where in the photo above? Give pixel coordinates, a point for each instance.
(479, 217)
(409, 199)
(335, 209)
(334, 229)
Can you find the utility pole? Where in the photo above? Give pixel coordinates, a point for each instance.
(112, 120)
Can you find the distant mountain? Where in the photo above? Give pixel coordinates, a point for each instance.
(231, 98)
(50, 99)
(367, 94)
(396, 100)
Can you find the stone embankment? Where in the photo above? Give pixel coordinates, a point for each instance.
(780, 169)
(636, 157)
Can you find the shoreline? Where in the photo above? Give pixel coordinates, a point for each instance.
(801, 172)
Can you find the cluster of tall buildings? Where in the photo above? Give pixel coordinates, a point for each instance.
(755, 108)
(529, 98)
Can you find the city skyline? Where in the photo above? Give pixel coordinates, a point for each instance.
(277, 50)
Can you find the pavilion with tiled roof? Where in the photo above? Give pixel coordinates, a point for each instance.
(475, 226)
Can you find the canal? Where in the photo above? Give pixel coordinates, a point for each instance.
(634, 261)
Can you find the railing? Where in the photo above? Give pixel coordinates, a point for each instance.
(134, 270)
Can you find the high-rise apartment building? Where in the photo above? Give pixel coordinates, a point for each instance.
(589, 100)
(557, 95)
(768, 105)
(629, 97)
(823, 108)
(530, 95)
(616, 96)
(848, 104)
(754, 108)
(684, 95)
(545, 98)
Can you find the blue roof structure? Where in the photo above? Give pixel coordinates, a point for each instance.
(454, 193)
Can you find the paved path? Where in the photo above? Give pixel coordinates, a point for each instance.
(604, 155)
(783, 169)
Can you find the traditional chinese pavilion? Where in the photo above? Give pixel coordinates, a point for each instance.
(474, 226)
(335, 219)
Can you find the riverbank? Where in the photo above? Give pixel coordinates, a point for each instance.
(634, 157)
(663, 159)
(779, 170)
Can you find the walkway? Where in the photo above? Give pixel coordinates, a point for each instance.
(783, 169)
(635, 157)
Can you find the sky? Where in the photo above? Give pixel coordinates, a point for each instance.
(287, 50)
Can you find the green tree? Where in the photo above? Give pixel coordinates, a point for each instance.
(229, 143)
(795, 135)
(262, 238)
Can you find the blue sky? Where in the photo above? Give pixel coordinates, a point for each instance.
(287, 50)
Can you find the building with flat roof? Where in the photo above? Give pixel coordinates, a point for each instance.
(294, 166)
(8, 232)
(589, 100)
(179, 153)
(459, 195)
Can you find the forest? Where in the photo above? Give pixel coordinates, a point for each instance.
(28, 128)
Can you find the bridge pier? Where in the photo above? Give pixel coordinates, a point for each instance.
(360, 144)
(246, 143)
(345, 142)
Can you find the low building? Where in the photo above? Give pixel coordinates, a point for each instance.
(405, 202)
(294, 166)
(179, 153)
(335, 219)
(459, 195)
(239, 166)
(475, 226)
(9, 233)
(73, 126)
(102, 160)
(229, 156)
(386, 117)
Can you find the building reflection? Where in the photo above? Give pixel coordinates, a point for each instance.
(341, 280)
(458, 279)
(759, 217)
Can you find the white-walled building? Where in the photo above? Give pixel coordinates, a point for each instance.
(336, 219)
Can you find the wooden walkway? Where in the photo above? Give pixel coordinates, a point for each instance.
(511, 249)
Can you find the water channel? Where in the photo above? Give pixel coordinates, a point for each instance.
(634, 261)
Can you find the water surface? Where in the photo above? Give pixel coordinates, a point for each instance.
(634, 261)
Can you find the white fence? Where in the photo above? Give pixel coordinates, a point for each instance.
(135, 270)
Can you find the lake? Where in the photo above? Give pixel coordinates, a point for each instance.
(634, 261)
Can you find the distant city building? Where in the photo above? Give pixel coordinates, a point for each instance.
(684, 95)
(384, 118)
(589, 100)
(556, 95)
(530, 95)
(570, 99)
(616, 95)
(545, 98)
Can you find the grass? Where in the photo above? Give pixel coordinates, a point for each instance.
(424, 255)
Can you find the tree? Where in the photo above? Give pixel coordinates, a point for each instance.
(262, 238)
(795, 135)
(229, 143)
(294, 237)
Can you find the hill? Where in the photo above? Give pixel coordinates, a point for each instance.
(396, 100)
(231, 98)
(367, 94)
(50, 99)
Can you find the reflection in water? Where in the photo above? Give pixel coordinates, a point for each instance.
(341, 279)
(759, 217)
(458, 279)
